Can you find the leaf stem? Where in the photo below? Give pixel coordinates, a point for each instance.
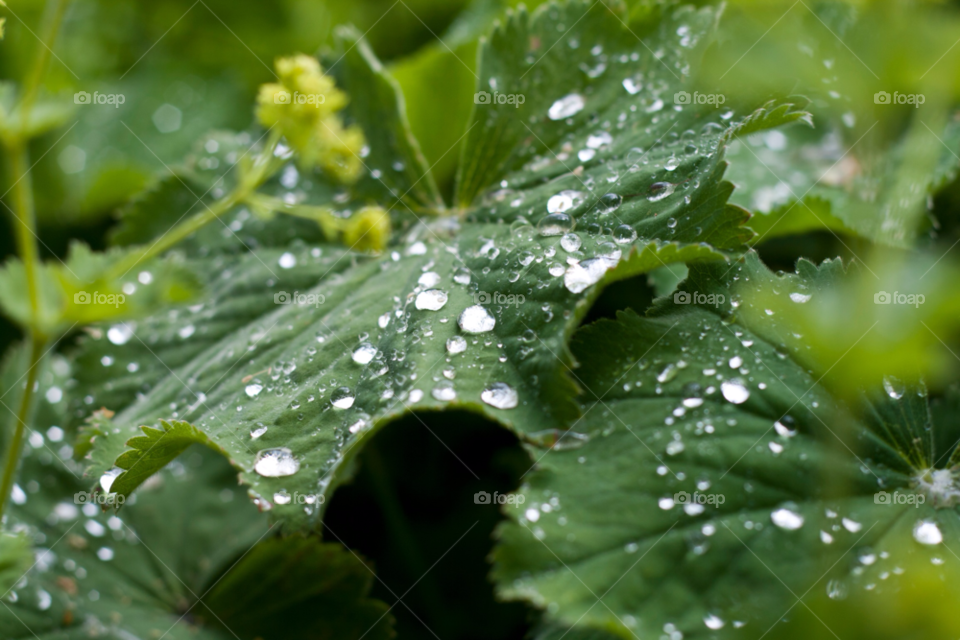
(248, 183)
(32, 84)
(23, 413)
(26, 231)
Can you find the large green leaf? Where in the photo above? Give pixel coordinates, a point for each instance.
(472, 312)
(710, 400)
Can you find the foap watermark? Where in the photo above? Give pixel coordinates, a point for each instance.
(102, 499)
(115, 99)
(882, 497)
(913, 299)
(482, 97)
(713, 499)
(503, 299)
(695, 297)
(482, 497)
(283, 497)
(299, 299)
(285, 97)
(108, 299)
(882, 97)
(685, 97)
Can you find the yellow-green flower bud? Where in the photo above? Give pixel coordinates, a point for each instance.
(367, 230)
(304, 106)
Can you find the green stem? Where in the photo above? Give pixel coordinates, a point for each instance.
(13, 452)
(55, 9)
(248, 183)
(25, 231)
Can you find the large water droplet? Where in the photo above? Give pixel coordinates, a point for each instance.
(927, 532)
(364, 353)
(342, 398)
(787, 519)
(276, 463)
(106, 480)
(735, 391)
(713, 622)
(556, 224)
(252, 390)
(431, 300)
(120, 333)
(500, 396)
(566, 106)
(583, 274)
(476, 319)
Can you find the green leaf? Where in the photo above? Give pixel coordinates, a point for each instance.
(366, 340)
(16, 559)
(152, 451)
(299, 588)
(84, 289)
(377, 105)
(705, 400)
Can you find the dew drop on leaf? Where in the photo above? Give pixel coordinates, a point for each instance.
(734, 391)
(456, 344)
(476, 319)
(431, 299)
(927, 532)
(500, 396)
(566, 106)
(276, 463)
(787, 519)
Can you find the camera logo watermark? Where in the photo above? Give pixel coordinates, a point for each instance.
(684, 97)
(102, 499)
(882, 497)
(482, 497)
(116, 99)
(714, 499)
(299, 299)
(506, 300)
(482, 97)
(686, 297)
(914, 299)
(285, 97)
(110, 299)
(282, 497)
(882, 97)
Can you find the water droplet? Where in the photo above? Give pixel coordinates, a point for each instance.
(120, 333)
(782, 430)
(431, 299)
(624, 234)
(893, 387)
(787, 519)
(660, 190)
(476, 319)
(256, 433)
(252, 390)
(106, 480)
(444, 391)
(735, 391)
(851, 525)
(429, 280)
(800, 298)
(583, 274)
(456, 344)
(187, 331)
(713, 622)
(287, 261)
(566, 106)
(364, 353)
(275, 463)
(342, 398)
(927, 532)
(608, 203)
(282, 497)
(570, 242)
(836, 590)
(556, 224)
(500, 396)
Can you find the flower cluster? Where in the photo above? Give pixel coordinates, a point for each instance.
(304, 105)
